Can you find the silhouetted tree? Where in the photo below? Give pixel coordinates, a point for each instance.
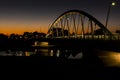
(27, 35)
(3, 37)
(42, 35)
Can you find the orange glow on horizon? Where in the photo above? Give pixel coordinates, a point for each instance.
(19, 31)
(20, 28)
(8, 28)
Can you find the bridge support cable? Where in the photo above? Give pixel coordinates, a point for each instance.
(61, 21)
(74, 25)
(70, 24)
(95, 26)
(82, 23)
(78, 23)
(92, 31)
(87, 33)
(52, 33)
(68, 28)
(57, 30)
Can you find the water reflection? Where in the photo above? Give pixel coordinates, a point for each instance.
(16, 53)
(19, 53)
(27, 53)
(78, 56)
(65, 53)
(56, 52)
(110, 58)
(51, 53)
(45, 49)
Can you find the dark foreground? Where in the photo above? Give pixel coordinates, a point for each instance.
(57, 67)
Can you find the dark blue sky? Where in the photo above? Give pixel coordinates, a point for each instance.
(43, 12)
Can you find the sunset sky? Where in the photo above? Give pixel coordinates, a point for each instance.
(18, 16)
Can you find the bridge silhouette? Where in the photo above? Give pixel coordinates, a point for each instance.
(78, 24)
(76, 29)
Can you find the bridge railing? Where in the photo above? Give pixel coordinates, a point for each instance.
(96, 37)
(117, 36)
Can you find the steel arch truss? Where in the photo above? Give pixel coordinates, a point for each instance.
(78, 24)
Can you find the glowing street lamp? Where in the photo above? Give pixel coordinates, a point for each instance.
(113, 3)
(108, 13)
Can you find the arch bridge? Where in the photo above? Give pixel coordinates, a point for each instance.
(78, 24)
(79, 31)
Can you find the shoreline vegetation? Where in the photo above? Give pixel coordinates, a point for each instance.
(16, 41)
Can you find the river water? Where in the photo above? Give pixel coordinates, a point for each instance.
(109, 58)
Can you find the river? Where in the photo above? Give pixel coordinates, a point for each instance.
(109, 58)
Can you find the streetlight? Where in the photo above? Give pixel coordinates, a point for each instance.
(108, 13)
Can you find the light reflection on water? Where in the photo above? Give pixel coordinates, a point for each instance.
(44, 52)
(15, 53)
(110, 58)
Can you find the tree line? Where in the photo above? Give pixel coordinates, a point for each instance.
(24, 36)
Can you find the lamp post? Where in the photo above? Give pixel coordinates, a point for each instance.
(108, 13)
